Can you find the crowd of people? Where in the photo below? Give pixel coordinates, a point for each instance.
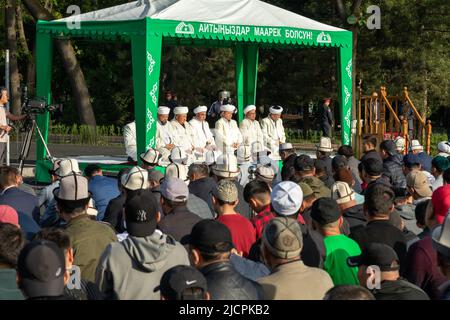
(233, 226)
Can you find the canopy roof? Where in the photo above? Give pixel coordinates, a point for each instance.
(222, 20)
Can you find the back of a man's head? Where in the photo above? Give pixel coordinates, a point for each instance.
(371, 140)
(379, 200)
(348, 292)
(92, 170)
(346, 151)
(256, 189)
(420, 212)
(57, 235)
(8, 177)
(198, 171)
(11, 243)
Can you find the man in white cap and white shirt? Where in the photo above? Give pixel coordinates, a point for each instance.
(164, 139)
(204, 139)
(182, 132)
(228, 136)
(400, 143)
(250, 128)
(273, 131)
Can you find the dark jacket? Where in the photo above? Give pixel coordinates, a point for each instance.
(178, 223)
(327, 180)
(399, 290)
(288, 168)
(393, 169)
(8, 285)
(203, 188)
(87, 291)
(421, 268)
(371, 154)
(425, 161)
(355, 216)
(225, 283)
(114, 213)
(250, 269)
(22, 202)
(381, 231)
(103, 189)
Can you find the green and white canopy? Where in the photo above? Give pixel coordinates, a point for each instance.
(244, 25)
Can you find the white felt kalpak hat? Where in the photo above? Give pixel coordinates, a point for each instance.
(163, 110)
(441, 237)
(227, 108)
(178, 155)
(324, 145)
(444, 147)
(415, 145)
(276, 110)
(226, 166)
(200, 109)
(249, 108)
(136, 179)
(151, 157)
(181, 110)
(66, 167)
(177, 170)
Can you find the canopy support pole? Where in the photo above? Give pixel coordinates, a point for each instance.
(246, 61)
(146, 55)
(345, 91)
(44, 58)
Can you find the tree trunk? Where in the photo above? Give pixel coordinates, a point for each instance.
(11, 39)
(31, 66)
(76, 77)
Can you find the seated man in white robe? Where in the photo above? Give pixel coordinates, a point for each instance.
(129, 137)
(204, 139)
(250, 128)
(273, 130)
(182, 132)
(227, 133)
(164, 139)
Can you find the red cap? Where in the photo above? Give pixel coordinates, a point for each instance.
(441, 202)
(8, 215)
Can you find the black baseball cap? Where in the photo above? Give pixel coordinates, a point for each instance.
(303, 163)
(177, 279)
(410, 160)
(373, 167)
(210, 236)
(140, 213)
(320, 165)
(389, 146)
(325, 211)
(339, 161)
(41, 267)
(378, 254)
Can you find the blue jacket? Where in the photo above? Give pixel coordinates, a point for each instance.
(21, 201)
(103, 189)
(425, 161)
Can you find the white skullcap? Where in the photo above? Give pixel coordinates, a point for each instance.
(227, 108)
(249, 108)
(286, 198)
(163, 110)
(200, 109)
(181, 110)
(444, 147)
(415, 145)
(276, 110)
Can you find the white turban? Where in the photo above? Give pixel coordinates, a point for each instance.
(444, 147)
(200, 109)
(181, 110)
(276, 110)
(249, 108)
(163, 110)
(227, 108)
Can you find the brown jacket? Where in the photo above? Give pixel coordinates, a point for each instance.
(89, 239)
(295, 281)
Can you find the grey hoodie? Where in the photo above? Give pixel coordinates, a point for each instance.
(132, 269)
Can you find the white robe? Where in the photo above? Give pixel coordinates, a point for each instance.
(227, 133)
(204, 139)
(273, 136)
(183, 136)
(129, 136)
(251, 132)
(163, 138)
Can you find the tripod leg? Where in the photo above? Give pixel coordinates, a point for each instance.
(25, 148)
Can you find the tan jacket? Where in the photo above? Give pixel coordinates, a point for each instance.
(295, 281)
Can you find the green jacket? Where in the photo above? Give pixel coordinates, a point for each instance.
(317, 185)
(89, 239)
(8, 285)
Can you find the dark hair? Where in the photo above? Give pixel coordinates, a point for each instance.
(91, 169)
(348, 292)
(446, 176)
(57, 235)
(174, 204)
(379, 200)
(121, 173)
(210, 257)
(8, 176)
(199, 168)
(420, 211)
(72, 206)
(12, 241)
(255, 187)
(194, 293)
(370, 139)
(346, 151)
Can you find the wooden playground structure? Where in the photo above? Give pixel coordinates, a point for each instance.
(385, 117)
